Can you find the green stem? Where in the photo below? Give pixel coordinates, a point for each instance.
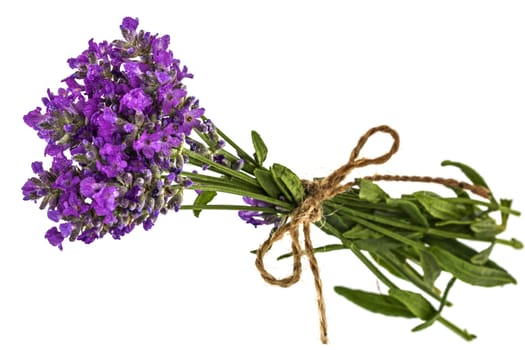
(371, 267)
(221, 169)
(334, 232)
(414, 277)
(404, 225)
(244, 193)
(405, 270)
(461, 332)
(387, 282)
(240, 151)
(218, 181)
(204, 138)
(514, 243)
(362, 219)
(490, 205)
(228, 207)
(248, 167)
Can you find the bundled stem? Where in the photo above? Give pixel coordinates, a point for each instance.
(421, 229)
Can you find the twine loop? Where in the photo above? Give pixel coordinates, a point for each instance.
(310, 211)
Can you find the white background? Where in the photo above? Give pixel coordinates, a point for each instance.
(311, 77)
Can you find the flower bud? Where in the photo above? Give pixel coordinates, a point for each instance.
(238, 164)
(159, 202)
(139, 181)
(127, 178)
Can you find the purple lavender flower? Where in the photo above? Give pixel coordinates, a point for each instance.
(37, 167)
(257, 218)
(161, 55)
(170, 98)
(252, 217)
(113, 131)
(89, 186)
(71, 204)
(112, 163)
(148, 144)
(148, 224)
(54, 237)
(33, 189)
(136, 99)
(129, 24)
(89, 235)
(238, 164)
(191, 119)
(34, 118)
(66, 228)
(104, 202)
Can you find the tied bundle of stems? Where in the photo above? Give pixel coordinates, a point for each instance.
(415, 238)
(126, 142)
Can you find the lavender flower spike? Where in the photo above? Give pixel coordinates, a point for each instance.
(112, 130)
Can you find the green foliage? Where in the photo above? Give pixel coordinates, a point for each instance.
(382, 304)
(203, 198)
(261, 151)
(418, 238)
(289, 183)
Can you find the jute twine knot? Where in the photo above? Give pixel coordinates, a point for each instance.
(310, 211)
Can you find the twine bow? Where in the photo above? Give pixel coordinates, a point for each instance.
(310, 211)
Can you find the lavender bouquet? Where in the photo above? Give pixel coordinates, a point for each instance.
(126, 141)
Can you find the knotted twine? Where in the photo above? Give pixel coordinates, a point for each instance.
(310, 211)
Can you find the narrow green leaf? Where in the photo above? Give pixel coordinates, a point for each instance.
(363, 220)
(203, 198)
(486, 228)
(323, 249)
(389, 262)
(378, 303)
(293, 184)
(439, 207)
(454, 222)
(360, 232)
(431, 269)
(261, 151)
(371, 192)
(470, 173)
(340, 222)
(415, 302)
(265, 179)
(437, 315)
(482, 257)
(398, 264)
(377, 244)
(470, 208)
(470, 273)
(410, 209)
(458, 249)
(460, 193)
(240, 152)
(276, 175)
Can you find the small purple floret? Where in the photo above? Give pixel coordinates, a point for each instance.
(129, 24)
(136, 99)
(257, 218)
(54, 237)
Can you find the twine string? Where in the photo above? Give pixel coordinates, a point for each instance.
(310, 211)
